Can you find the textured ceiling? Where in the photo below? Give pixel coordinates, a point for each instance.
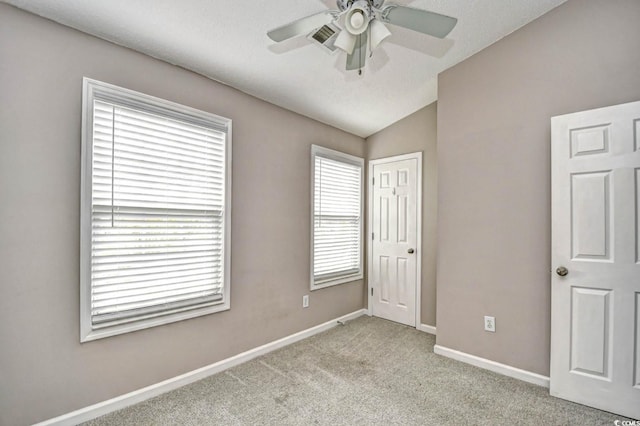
(226, 41)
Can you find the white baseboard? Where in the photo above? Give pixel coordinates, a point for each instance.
(122, 401)
(496, 367)
(426, 328)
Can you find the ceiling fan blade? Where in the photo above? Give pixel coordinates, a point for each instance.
(356, 60)
(301, 26)
(431, 23)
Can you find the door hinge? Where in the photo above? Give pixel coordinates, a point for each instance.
(373, 235)
(372, 291)
(373, 181)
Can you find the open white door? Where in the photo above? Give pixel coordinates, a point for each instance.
(595, 314)
(394, 252)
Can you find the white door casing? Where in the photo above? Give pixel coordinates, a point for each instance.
(395, 189)
(595, 313)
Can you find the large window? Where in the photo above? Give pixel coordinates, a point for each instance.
(155, 211)
(336, 240)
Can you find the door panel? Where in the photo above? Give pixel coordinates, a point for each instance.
(590, 141)
(394, 224)
(590, 216)
(637, 234)
(384, 279)
(402, 266)
(384, 219)
(591, 331)
(636, 380)
(594, 314)
(402, 219)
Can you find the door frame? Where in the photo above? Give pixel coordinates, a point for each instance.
(371, 163)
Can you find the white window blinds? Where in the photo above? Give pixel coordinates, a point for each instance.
(158, 191)
(337, 217)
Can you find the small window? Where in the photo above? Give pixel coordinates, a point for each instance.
(154, 211)
(336, 240)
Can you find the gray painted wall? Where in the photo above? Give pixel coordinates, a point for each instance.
(493, 186)
(44, 370)
(415, 133)
(494, 202)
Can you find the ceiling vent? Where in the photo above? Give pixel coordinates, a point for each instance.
(325, 36)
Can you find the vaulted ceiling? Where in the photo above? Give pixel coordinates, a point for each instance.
(226, 41)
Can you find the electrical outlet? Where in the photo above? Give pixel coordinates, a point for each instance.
(305, 301)
(490, 324)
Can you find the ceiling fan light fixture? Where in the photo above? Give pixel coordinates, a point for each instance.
(357, 18)
(378, 32)
(345, 41)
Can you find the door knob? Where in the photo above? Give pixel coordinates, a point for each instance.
(410, 251)
(562, 271)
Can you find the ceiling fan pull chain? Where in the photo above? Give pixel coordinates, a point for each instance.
(360, 55)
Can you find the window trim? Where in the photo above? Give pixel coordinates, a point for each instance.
(321, 151)
(92, 89)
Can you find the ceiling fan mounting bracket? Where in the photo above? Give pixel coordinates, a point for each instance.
(346, 4)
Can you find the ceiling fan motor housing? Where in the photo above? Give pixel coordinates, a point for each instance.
(345, 4)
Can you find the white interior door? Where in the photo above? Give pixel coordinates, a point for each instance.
(393, 278)
(595, 318)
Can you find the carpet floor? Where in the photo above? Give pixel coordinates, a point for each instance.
(367, 372)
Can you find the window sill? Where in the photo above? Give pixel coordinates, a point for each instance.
(336, 281)
(100, 333)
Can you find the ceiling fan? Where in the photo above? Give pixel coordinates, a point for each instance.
(358, 25)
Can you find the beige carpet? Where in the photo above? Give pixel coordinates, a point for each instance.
(367, 372)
